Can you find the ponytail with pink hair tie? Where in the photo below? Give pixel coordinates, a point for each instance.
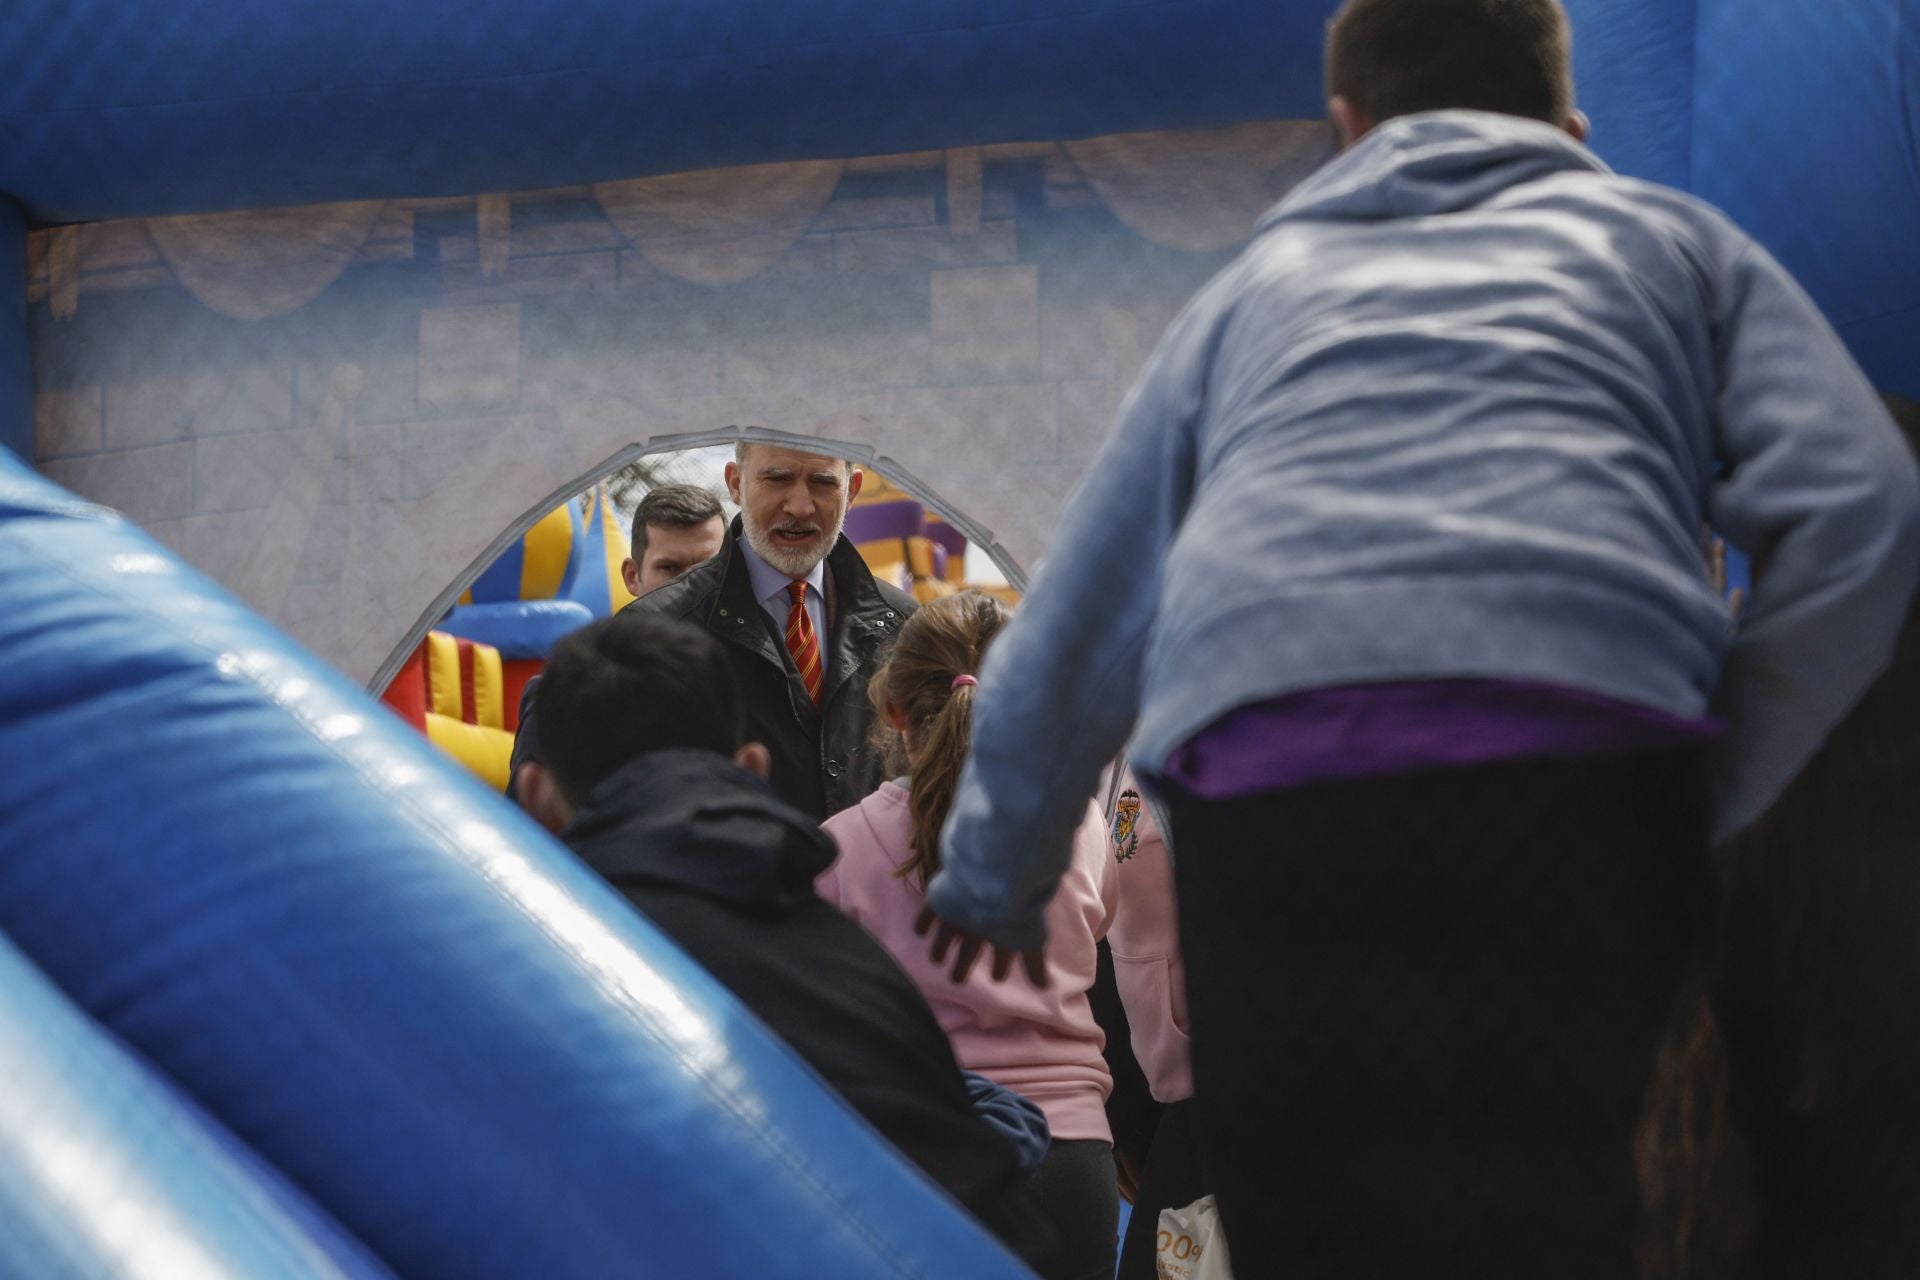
(969, 681)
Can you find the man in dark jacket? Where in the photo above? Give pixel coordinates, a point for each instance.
(646, 774)
(804, 623)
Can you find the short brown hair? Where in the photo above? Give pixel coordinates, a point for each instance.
(673, 506)
(1397, 57)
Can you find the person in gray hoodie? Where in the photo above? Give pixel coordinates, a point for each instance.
(1420, 652)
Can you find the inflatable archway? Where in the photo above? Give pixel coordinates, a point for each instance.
(461, 683)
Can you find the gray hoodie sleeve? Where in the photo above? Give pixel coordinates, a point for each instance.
(1821, 491)
(1061, 686)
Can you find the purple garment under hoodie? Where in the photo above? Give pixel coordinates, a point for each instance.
(1374, 730)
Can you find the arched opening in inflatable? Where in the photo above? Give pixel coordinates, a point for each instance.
(696, 459)
(460, 672)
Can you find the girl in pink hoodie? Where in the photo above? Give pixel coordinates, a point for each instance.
(1041, 1042)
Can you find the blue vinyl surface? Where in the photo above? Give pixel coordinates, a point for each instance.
(518, 629)
(117, 107)
(105, 1170)
(1804, 133)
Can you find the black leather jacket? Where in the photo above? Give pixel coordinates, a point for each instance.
(824, 759)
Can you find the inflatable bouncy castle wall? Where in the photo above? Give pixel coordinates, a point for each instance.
(910, 546)
(437, 277)
(461, 686)
(325, 298)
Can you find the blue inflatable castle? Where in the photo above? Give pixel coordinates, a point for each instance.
(283, 990)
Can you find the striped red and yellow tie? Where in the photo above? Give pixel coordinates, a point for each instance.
(802, 643)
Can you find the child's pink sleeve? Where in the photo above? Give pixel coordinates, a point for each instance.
(827, 883)
(1109, 871)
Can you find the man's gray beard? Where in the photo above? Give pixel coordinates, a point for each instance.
(792, 561)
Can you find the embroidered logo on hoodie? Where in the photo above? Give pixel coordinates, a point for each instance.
(1126, 826)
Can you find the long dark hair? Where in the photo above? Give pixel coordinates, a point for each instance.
(943, 640)
(1820, 1010)
(1782, 1120)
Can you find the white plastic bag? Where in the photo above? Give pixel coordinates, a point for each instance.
(1190, 1244)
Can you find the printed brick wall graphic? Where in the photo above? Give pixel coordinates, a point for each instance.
(340, 466)
(986, 323)
(147, 484)
(470, 357)
(67, 422)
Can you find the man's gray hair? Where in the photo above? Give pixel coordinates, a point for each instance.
(740, 448)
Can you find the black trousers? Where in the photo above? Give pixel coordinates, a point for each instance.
(1425, 1010)
(1172, 1179)
(1819, 998)
(1077, 1190)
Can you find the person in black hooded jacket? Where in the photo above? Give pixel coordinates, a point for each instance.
(645, 775)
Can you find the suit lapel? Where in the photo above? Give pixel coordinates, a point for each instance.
(849, 628)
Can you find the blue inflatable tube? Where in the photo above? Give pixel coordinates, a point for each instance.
(519, 628)
(106, 1171)
(445, 1030)
(113, 108)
